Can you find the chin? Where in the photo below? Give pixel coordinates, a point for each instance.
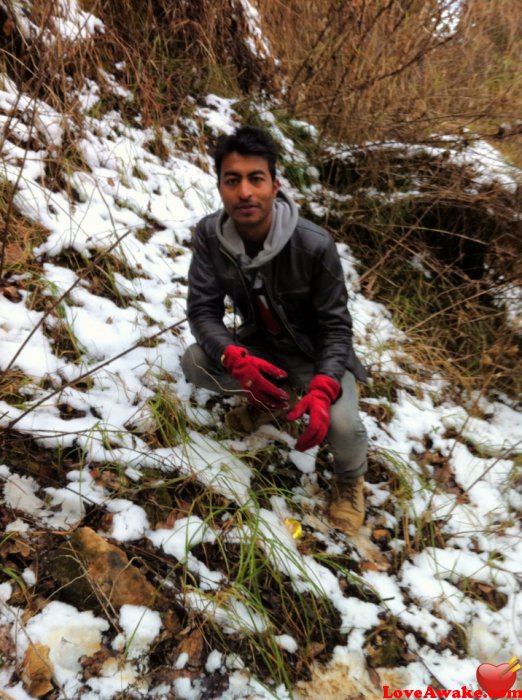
(246, 221)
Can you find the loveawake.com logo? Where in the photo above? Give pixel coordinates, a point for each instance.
(494, 681)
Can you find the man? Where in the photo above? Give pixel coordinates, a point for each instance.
(283, 276)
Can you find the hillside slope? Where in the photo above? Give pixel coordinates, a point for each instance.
(148, 551)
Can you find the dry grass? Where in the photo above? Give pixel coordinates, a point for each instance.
(20, 236)
(443, 281)
(360, 70)
(162, 52)
(438, 244)
(370, 70)
(175, 50)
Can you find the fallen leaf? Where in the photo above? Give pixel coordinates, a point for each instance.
(15, 544)
(381, 534)
(370, 566)
(8, 27)
(375, 678)
(93, 665)
(37, 670)
(193, 646)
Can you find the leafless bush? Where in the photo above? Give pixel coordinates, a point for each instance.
(175, 49)
(439, 246)
(368, 69)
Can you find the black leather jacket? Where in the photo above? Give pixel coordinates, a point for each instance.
(305, 286)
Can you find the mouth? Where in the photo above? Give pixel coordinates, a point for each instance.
(246, 208)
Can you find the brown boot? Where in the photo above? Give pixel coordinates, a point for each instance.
(347, 506)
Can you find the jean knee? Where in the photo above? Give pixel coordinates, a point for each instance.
(191, 360)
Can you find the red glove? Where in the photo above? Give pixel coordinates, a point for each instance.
(246, 369)
(323, 390)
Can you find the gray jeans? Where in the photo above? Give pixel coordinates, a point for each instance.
(346, 437)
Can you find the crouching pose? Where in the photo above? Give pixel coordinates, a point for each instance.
(283, 276)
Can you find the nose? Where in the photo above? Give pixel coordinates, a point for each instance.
(245, 189)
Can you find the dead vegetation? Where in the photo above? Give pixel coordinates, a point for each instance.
(402, 69)
(85, 569)
(439, 249)
(438, 245)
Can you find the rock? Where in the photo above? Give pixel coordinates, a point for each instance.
(37, 670)
(93, 573)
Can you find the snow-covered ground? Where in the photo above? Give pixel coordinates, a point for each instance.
(128, 190)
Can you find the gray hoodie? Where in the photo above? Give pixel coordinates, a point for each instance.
(284, 221)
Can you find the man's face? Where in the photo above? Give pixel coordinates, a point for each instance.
(247, 191)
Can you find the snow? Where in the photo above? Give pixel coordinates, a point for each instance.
(484, 161)
(214, 661)
(186, 533)
(140, 626)
(219, 115)
(129, 522)
(127, 188)
(69, 635)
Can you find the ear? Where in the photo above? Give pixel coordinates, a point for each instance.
(276, 185)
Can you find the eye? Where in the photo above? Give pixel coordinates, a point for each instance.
(231, 181)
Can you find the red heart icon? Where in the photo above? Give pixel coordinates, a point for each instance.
(496, 680)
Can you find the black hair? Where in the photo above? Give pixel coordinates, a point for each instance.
(247, 141)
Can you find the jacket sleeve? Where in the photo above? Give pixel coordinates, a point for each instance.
(205, 302)
(334, 347)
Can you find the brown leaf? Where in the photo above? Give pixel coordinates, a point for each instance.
(15, 545)
(375, 678)
(315, 648)
(186, 507)
(381, 534)
(370, 566)
(7, 647)
(12, 294)
(35, 604)
(444, 473)
(192, 645)
(93, 665)
(109, 479)
(91, 569)
(8, 27)
(37, 670)
(171, 623)
(171, 519)
(106, 522)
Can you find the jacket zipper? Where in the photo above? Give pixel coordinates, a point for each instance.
(283, 321)
(243, 281)
(248, 292)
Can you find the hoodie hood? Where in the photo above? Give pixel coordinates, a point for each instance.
(284, 221)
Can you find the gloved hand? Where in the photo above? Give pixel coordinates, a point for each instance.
(322, 392)
(246, 369)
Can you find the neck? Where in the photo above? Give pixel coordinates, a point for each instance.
(257, 233)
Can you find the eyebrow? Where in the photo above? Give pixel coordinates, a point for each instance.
(238, 174)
